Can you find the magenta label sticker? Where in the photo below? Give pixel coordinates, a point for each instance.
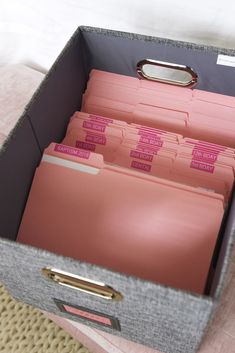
(146, 134)
(151, 141)
(205, 155)
(150, 130)
(93, 125)
(148, 149)
(207, 145)
(88, 314)
(202, 166)
(211, 145)
(72, 151)
(150, 136)
(100, 119)
(85, 145)
(99, 139)
(141, 166)
(141, 155)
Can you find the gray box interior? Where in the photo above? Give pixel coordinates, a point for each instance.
(47, 115)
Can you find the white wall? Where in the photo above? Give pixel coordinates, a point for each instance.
(34, 31)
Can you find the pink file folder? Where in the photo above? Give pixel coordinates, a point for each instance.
(207, 155)
(212, 146)
(149, 115)
(181, 93)
(193, 113)
(106, 143)
(216, 177)
(121, 219)
(99, 124)
(155, 154)
(184, 94)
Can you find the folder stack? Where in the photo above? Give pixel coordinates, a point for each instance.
(140, 182)
(193, 113)
(156, 152)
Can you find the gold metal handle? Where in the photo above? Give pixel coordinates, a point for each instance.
(82, 284)
(188, 75)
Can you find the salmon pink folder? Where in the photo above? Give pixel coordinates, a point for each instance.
(207, 155)
(189, 163)
(153, 115)
(216, 177)
(184, 94)
(140, 85)
(151, 159)
(193, 113)
(121, 219)
(98, 124)
(103, 144)
(157, 163)
(182, 120)
(220, 148)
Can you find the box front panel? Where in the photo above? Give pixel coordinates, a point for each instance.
(168, 320)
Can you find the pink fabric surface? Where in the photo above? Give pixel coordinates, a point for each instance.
(18, 84)
(98, 341)
(2, 138)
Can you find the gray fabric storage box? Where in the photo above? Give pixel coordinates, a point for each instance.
(166, 319)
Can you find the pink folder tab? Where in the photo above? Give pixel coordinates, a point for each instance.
(79, 125)
(216, 120)
(129, 95)
(114, 122)
(77, 217)
(216, 98)
(130, 131)
(132, 96)
(75, 122)
(206, 155)
(140, 85)
(111, 147)
(98, 118)
(105, 145)
(211, 132)
(158, 163)
(85, 133)
(179, 93)
(155, 141)
(150, 115)
(150, 149)
(60, 148)
(142, 130)
(117, 79)
(213, 109)
(217, 177)
(211, 146)
(188, 123)
(203, 114)
(75, 154)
